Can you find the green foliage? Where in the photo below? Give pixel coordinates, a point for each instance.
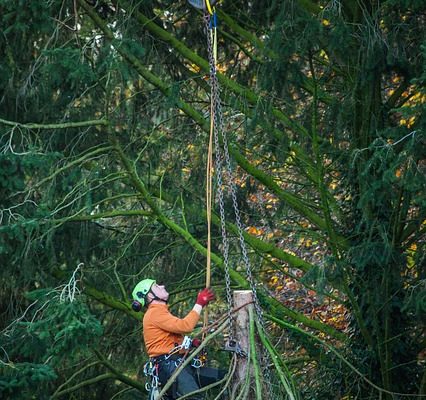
(324, 98)
(22, 17)
(24, 380)
(55, 329)
(66, 67)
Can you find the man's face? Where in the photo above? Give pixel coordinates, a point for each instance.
(160, 291)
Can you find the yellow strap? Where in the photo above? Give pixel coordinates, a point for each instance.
(209, 171)
(209, 7)
(209, 179)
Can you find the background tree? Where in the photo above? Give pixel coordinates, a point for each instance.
(104, 122)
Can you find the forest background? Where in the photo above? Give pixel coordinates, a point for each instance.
(104, 121)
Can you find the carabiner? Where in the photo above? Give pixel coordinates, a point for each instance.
(196, 363)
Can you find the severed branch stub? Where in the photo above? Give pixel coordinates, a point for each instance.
(242, 344)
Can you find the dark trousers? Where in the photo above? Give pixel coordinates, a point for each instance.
(189, 380)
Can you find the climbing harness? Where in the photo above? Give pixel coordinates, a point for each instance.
(185, 345)
(152, 366)
(150, 369)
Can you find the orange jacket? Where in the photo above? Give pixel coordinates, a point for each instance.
(162, 331)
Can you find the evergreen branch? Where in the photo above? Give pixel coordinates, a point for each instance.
(253, 355)
(82, 384)
(299, 280)
(81, 370)
(199, 119)
(87, 156)
(144, 72)
(283, 373)
(290, 199)
(102, 297)
(284, 324)
(333, 241)
(118, 375)
(64, 125)
(268, 248)
(257, 244)
(111, 301)
(203, 64)
(259, 44)
(279, 308)
(276, 309)
(110, 214)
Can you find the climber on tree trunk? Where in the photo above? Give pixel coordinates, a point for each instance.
(164, 340)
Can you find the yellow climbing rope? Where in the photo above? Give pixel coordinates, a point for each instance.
(209, 166)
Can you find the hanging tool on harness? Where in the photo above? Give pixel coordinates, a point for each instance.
(187, 344)
(150, 369)
(174, 358)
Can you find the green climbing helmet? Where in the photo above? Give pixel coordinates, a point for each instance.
(141, 290)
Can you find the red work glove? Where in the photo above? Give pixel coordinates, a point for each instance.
(205, 297)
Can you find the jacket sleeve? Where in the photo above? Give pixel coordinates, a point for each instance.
(168, 322)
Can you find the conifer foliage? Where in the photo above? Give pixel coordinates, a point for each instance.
(104, 121)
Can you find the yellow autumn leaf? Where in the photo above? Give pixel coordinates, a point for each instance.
(254, 231)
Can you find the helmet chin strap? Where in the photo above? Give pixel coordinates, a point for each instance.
(156, 298)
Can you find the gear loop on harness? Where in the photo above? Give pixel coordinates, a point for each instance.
(150, 369)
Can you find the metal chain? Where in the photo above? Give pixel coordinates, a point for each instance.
(218, 167)
(220, 160)
(219, 127)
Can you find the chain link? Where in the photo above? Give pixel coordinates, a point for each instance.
(219, 127)
(218, 168)
(220, 158)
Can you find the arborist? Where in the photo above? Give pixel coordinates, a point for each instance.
(165, 342)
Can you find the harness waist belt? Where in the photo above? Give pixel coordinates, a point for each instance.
(165, 357)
